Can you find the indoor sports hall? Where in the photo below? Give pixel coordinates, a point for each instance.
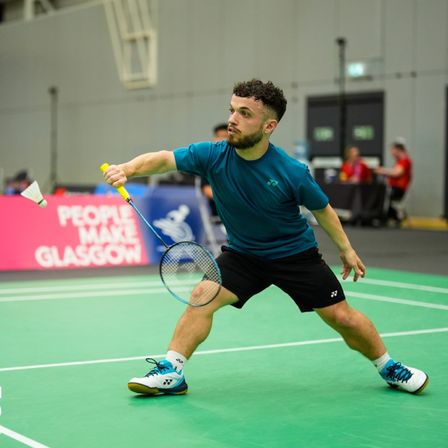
(84, 299)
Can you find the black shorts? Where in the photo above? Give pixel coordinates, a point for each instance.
(305, 277)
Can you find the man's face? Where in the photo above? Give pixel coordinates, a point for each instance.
(395, 152)
(249, 121)
(353, 154)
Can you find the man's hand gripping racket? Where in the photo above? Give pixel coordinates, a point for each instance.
(188, 270)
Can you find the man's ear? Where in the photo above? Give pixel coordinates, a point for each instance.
(270, 126)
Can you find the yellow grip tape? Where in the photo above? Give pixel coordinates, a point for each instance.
(123, 192)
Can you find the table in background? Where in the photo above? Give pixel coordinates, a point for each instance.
(363, 203)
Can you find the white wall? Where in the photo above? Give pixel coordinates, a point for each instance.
(204, 47)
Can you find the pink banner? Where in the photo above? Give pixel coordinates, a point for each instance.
(71, 232)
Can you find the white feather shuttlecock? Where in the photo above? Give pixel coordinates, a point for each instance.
(33, 193)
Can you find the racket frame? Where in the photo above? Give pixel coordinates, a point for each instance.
(215, 264)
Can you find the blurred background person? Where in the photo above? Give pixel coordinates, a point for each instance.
(219, 133)
(18, 183)
(399, 178)
(354, 169)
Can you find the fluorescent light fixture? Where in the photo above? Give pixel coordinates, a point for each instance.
(356, 69)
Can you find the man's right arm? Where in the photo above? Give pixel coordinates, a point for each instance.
(143, 165)
(396, 171)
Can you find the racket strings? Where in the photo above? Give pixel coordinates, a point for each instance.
(190, 273)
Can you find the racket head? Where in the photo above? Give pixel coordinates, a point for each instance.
(190, 273)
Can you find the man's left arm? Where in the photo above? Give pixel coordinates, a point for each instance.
(329, 221)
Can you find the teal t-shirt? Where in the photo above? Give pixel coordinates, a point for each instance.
(258, 200)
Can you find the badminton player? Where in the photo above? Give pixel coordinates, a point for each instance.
(258, 190)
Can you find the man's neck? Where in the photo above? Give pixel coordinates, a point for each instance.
(255, 152)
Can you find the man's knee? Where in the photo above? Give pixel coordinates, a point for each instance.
(223, 298)
(340, 315)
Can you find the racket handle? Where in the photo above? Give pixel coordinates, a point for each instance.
(123, 192)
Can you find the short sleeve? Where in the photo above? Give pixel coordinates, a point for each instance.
(194, 159)
(309, 192)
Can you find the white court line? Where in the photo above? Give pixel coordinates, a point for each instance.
(62, 288)
(75, 295)
(147, 292)
(361, 295)
(149, 283)
(221, 350)
(20, 438)
(104, 286)
(405, 285)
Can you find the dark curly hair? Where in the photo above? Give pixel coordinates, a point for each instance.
(266, 92)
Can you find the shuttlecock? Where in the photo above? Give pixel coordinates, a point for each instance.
(33, 192)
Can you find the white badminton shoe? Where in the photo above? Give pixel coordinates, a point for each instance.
(402, 377)
(162, 379)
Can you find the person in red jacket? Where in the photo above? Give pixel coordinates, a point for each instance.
(354, 169)
(399, 179)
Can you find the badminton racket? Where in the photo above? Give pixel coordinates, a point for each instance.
(187, 269)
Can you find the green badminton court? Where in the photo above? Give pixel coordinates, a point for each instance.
(268, 376)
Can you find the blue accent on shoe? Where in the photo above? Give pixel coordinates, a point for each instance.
(395, 372)
(161, 367)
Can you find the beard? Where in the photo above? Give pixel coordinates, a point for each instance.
(245, 142)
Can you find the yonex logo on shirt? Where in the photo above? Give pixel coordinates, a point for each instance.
(272, 182)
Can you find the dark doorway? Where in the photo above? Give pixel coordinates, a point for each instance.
(445, 211)
(364, 124)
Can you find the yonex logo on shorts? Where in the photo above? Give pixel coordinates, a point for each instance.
(272, 182)
(334, 293)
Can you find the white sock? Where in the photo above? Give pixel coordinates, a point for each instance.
(381, 361)
(176, 359)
